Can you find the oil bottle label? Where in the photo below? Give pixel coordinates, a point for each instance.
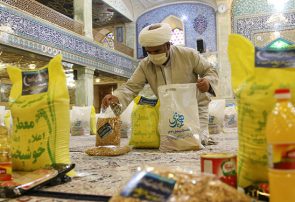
(5, 171)
(282, 156)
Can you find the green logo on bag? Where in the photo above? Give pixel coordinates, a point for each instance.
(177, 120)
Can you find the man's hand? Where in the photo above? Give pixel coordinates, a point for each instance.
(109, 99)
(203, 85)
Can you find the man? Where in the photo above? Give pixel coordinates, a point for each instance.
(168, 64)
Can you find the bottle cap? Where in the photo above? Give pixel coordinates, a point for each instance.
(283, 93)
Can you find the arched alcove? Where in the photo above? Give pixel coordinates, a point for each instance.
(178, 37)
(199, 22)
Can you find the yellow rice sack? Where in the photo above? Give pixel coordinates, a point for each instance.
(93, 121)
(39, 104)
(144, 123)
(7, 119)
(254, 88)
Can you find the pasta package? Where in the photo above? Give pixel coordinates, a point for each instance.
(39, 104)
(144, 123)
(256, 73)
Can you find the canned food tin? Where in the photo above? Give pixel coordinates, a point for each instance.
(223, 165)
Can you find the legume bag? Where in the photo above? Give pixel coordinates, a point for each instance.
(254, 87)
(39, 104)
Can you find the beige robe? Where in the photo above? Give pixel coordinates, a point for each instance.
(186, 65)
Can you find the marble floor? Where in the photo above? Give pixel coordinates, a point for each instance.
(106, 175)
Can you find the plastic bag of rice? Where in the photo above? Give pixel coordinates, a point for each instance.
(108, 129)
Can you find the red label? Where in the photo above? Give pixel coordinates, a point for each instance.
(282, 156)
(223, 168)
(5, 171)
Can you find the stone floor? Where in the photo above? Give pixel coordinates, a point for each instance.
(106, 175)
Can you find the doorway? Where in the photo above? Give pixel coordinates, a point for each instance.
(101, 90)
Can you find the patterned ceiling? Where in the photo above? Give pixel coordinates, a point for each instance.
(102, 13)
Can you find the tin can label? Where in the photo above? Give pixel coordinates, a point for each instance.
(224, 167)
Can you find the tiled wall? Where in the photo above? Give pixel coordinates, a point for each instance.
(200, 23)
(32, 34)
(249, 18)
(251, 7)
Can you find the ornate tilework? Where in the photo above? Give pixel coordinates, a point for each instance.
(250, 17)
(248, 26)
(33, 35)
(251, 7)
(191, 11)
(46, 13)
(200, 24)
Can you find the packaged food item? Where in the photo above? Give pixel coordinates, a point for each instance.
(179, 124)
(167, 185)
(8, 120)
(39, 104)
(2, 113)
(126, 121)
(223, 165)
(5, 154)
(144, 125)
(255, 75)
(116, 108)
(216, 115)
(281, 140)
(109, 150)
(80, 120)
(92, 121)
(230, 119)
(258, 191)
(108, 129)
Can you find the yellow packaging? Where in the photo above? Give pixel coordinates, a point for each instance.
(144, 123)
(281, 139)
(7, 118)
(39, 104)
(92, 121)
(254, 87)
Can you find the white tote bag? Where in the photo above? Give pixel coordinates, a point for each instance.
(179, 124)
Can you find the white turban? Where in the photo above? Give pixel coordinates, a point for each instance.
(155, 37)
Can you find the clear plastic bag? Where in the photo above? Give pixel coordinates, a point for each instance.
(126, 120)
(80, 120)
(230, 119)
(108, 128)
(216, 116)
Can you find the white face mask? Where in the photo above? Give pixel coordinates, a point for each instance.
(158, 59)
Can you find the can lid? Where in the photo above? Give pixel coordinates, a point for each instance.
(282, 91)
(217, 155)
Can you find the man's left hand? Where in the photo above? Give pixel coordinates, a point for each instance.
(203, 85)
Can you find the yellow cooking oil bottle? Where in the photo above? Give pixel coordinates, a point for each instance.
(280, 132)
(5, 155)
